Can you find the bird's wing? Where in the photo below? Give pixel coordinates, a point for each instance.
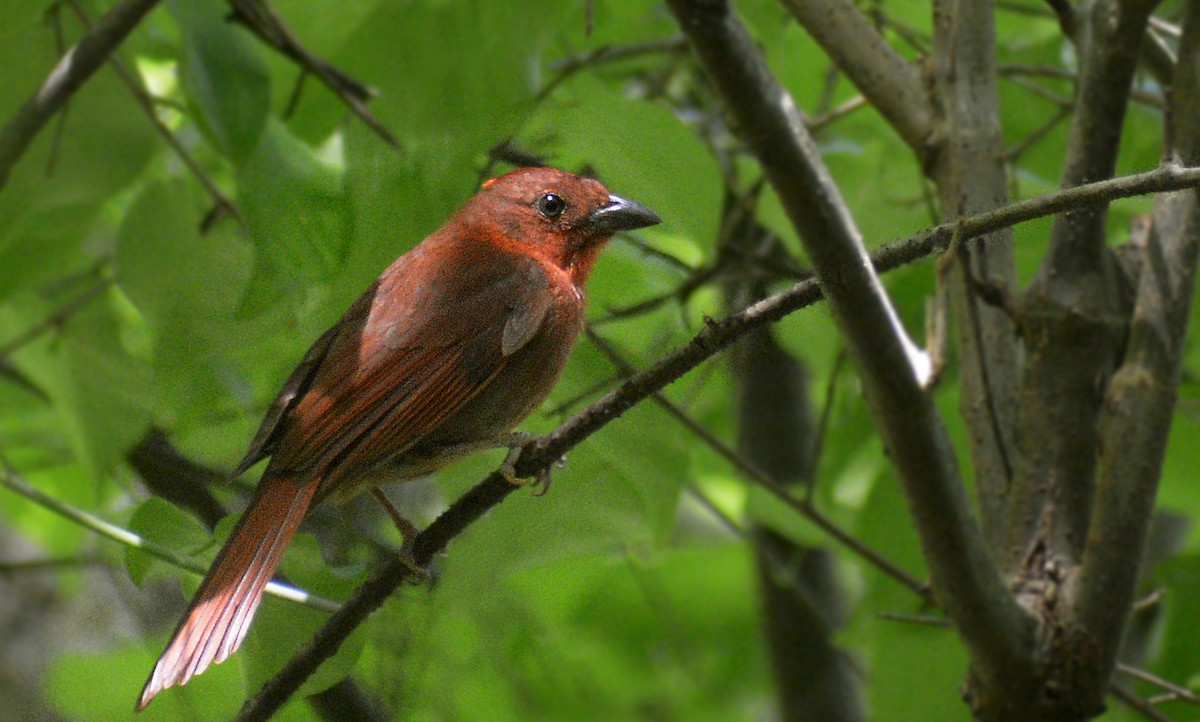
(265, 438)
(408, 357)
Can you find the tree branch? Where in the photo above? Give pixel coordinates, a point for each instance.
(183, 482)
(716, 336)
(1140, 402)
(769, 483)
(262, 20)
(801, 598)
(1113, 32)
(222, 202)
(10, 479)
(71, 72)
(969, 170)
(965, 581)
(1074, 314)
(889, 82)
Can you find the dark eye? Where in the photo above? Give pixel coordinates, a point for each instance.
(551, 205)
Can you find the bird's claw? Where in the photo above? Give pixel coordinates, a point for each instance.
(541, 480)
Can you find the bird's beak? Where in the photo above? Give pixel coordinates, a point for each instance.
(619, 215)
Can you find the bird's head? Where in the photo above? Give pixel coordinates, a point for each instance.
(560, 216)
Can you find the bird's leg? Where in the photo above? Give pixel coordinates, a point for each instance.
(408, 532)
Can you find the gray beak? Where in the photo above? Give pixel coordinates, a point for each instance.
(619, 215)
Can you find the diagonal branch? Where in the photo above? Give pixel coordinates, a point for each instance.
(14, 482)
(771, 485)
(224, 206)
(716, 337)
(264, 22)
(71, 72)
(889, 82)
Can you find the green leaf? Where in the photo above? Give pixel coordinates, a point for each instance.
(103, 390)
(295, 208)
(164, 264)
(163, 523)
(280, 629)
(76, 165)
(224, 76)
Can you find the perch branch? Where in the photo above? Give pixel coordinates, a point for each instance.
(716, 336)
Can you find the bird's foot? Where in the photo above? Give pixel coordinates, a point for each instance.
(541, 481)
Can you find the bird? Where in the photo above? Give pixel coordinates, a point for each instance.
(457, 341)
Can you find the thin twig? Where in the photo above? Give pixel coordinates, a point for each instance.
(37, 565)
(717, 513)
(10, 479)
(802, 506)
(264, 22)
(817, 122)
(922, 619)
(1138, 704)
(1037, 89)
(1015, 71)
(652, 252)
(1177, 691)
(1018, 149)
(608, 53)
(55, 319)
(822, 430)
(71, 72)
(146, 103)
(54, 17)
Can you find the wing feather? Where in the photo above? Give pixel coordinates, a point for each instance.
(410, 360)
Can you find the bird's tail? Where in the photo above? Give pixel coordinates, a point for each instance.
(219, 616)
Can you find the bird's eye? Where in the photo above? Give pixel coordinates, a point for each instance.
(551, 205)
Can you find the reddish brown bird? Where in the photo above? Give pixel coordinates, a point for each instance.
(458, 341)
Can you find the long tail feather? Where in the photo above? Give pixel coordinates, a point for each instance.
(219, 616)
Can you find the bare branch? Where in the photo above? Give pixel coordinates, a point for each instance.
(1178, 691)
(716, 337)
(1140, 403)
(1074, 313)
(970, 174)
(1113, 36)
(964, 579)
(803, 506)
(1138, 704)
(888, 81)
(568, 67)
(264, 22)
(55, 319)
(146, 103)
(71, 72)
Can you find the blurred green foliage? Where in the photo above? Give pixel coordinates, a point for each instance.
(609, 597)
